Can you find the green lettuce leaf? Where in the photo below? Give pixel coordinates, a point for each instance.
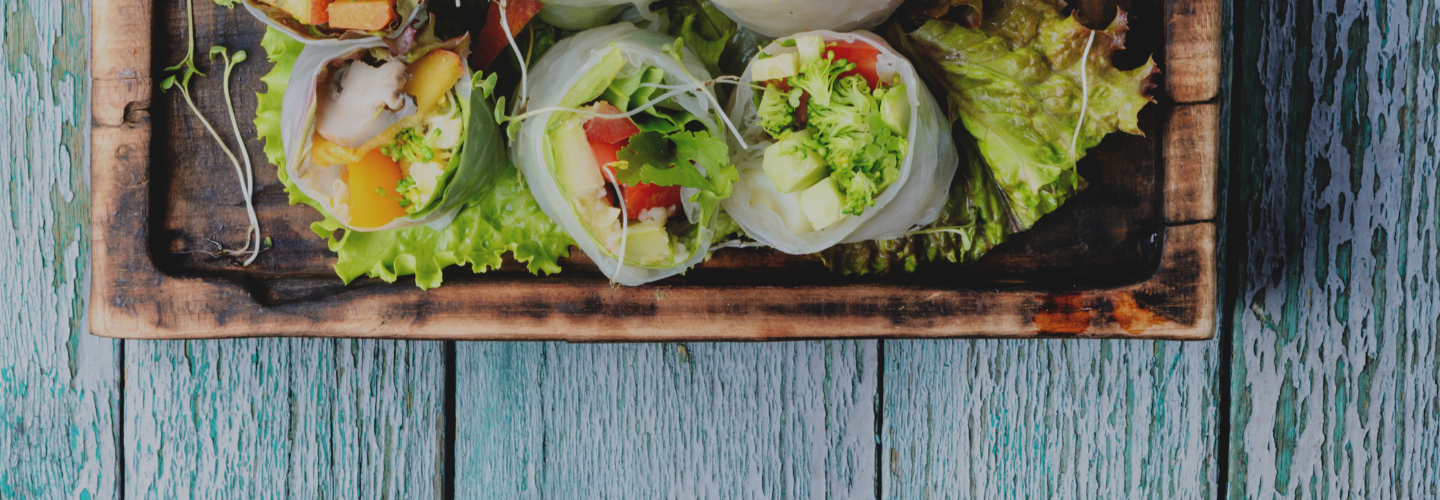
(976, 218)
(507, 219)
(1015, 82)
(704, 27)
(724, 46)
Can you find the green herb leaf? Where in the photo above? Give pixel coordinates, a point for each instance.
(670, 160)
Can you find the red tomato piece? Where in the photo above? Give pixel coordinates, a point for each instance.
(642, 197)
(491, 40)
(609, 130)
(605, 154)
(864, 55)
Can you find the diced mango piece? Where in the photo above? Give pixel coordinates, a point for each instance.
(431, 77)
(306, 11)
(364, 15)
(323, 152)
(373, 200)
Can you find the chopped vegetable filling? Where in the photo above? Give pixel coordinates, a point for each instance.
(827, 104)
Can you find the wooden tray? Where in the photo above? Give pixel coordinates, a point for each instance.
(1133, 256)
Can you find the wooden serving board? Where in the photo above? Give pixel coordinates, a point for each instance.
(1133, 256)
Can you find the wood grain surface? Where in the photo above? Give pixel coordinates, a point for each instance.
(783, 420)
(274, 418)
(59, 424)
(1336, 380)
(1049, 419)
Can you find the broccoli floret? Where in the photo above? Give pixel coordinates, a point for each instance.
(845, 149)
(854, 92)
(817, 78)
(832, 122)
(864, 154)
(859, 194)
(851, 110)
(777, 115)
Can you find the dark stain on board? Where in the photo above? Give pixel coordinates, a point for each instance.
(588, 305)
(1133, 317)
(1064, 314)
(900, 312)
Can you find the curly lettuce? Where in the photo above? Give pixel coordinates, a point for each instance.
(1016, 83)
(1014, 80)
(976, 219)
(507, 219)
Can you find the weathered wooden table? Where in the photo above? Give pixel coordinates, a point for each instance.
(1323, 381)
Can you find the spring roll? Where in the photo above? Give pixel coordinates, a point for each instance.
(330, 22)
(385, 141)
(777, 18)
(845, 144)
(624, 148)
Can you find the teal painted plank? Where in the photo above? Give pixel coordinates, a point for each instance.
(284, 418)
(58, 394)
(784, 420)
(1049, 419)
(1336, 381)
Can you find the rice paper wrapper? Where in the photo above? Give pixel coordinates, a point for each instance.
(585, 14)
(481, 152)
(559, 70)
(778, 18)
(914, 199)
(408, 10)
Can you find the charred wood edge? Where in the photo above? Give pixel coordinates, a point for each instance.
(131, 298)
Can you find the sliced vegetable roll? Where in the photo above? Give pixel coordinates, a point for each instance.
(846, 144)
(776, 18)
(329, 22)
(586, 14)
(622, 146)
(385, 142)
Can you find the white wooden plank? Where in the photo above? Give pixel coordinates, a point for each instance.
(1336, 377)
(284, 418)
(58, 393)
(785, 420)
(1049, 419)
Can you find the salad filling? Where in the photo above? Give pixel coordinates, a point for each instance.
(848, 144)
(839, 130)
(625, 158)
(388, 133)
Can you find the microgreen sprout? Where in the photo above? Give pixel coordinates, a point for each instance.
(624, 230)
(411, 145)
(677, 51)
(1084, 99)
(187, 69)
(524, 60)
(404, 203)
